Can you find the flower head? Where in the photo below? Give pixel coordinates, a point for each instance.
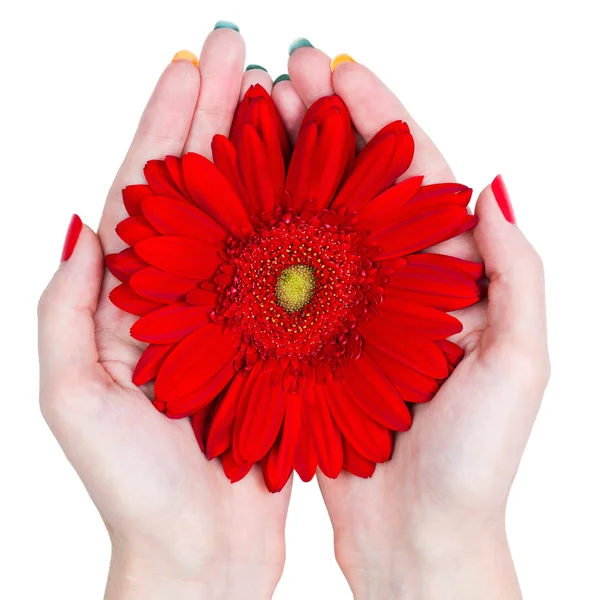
(285, 300)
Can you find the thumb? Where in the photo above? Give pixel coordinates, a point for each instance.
(516, 310)
(66, 309)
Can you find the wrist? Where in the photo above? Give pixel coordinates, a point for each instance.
(147, 576)
(464, 560)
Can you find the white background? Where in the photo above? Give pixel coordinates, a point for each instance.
(506, 87)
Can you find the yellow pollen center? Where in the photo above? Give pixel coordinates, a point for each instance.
(295, 287)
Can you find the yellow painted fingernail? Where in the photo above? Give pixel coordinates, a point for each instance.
(186, 55)
(336, 61)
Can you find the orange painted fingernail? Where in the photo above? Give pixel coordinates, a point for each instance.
(336, 61)
(186, 55)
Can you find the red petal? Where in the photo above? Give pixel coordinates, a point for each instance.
(133, 196)
(388, 206)
(409, 319)
(258, 113)
(134, 230)
(411, 385)
(170, 324)
(233, 470)
(214, 193)
(262, 419)
(181, 256)
(199, 423)
(453, 353)
(172, 217)
(200, 297)
(371, 438)
(258, 109)
(415, 352)
(173, 164)
(126, 299)
(323, 154)
(194, 362)
(159, 286)
(160, 180)
(299, 173)
(355, 463)
(432, 285)
(439, 194)
(305, 458)
(150, 361)
(279, 466)
(469, 222)
(367, 385)
(325, 433)
(380, 163)
(418, 231)
(259, 190)
(242, 407)
(124, 264)
(466, 268)
(220, 434)
(194, 401)
(225, 159)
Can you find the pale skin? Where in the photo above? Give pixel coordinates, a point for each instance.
(428, 525)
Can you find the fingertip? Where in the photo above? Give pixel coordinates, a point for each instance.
(487, 209)
(221, 67)
(228, 42)
(339, 60)
(86, 256)
(256, 77)
(310, 72)
(182, 73)
(186, 55)
(290, 107)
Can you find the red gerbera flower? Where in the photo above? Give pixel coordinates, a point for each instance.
(285, 301)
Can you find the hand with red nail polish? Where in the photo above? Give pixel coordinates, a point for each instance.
(429, 524)
(71, 238)
(503, 199)
(179, 529)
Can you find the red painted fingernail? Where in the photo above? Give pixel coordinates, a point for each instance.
(503, 200)
(71, 238)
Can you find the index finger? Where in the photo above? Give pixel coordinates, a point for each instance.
(162, 131)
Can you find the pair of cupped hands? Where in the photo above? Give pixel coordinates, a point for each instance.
(428, 524)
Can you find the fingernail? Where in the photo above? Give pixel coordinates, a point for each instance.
(250, 67)
(71, 238)
(284, 77)
(299, 43)
(503, 200)
(186, 55)
(336, 61)
(226, 25)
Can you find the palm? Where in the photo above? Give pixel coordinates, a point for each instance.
(144, 471)
(429, 460)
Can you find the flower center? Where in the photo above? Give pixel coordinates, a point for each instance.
(295, 287)
(293, 293)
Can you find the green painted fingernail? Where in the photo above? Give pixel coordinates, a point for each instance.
(226, 25)
(284, 77)
(299, 43)
(250, 67)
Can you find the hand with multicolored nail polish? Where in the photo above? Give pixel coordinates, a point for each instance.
(179, 528)
(429, 523)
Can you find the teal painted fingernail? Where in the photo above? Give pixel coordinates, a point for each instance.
(250, 67)
(284, 77)
(226, 25)
(299, 43)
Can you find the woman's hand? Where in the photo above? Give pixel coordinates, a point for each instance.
(179, 529)
(430, 523)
